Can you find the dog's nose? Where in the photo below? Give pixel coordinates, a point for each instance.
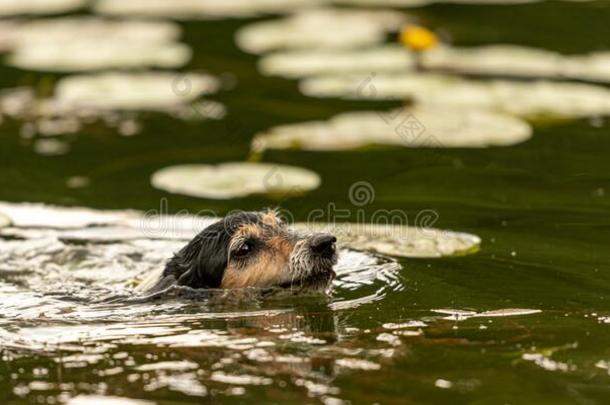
(323, 245)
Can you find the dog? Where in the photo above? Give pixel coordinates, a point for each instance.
(250, 249)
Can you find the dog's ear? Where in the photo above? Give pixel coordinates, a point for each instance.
(201, 263)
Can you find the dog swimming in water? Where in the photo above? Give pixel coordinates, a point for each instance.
(250, 249)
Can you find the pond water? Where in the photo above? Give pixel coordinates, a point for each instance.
(525, 319)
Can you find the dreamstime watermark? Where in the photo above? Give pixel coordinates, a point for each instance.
(403, 122)
(395, 224)
(183, 87)
(361, 193)
(274, 183)
(358, 219)
(385, 223)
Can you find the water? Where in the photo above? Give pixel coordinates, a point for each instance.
(392, 331)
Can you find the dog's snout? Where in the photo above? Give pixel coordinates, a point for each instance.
(323, 244)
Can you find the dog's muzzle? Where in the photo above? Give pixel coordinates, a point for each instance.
(312, 261)
(323, 246)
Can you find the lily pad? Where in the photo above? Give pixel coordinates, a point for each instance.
(387, 3)
(413, 127)
(398, 240)
(4, 221)
(311, 62)
(78, 224)
(61, 30)
(491, 60)
(419, 3)
(84, 55)
(200, 9)
(132, 91)
(19, 7)
(111, 99)
(235, 180)
(51, 44)
(84, 399)
(510, 60)
(320, 28)
(536, 99)
(48, 216)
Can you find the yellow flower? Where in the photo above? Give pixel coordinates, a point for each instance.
(418, 38)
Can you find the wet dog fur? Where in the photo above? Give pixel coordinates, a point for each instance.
(250, 249)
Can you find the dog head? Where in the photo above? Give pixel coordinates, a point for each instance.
(254, 249)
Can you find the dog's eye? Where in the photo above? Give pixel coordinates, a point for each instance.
(244, 249)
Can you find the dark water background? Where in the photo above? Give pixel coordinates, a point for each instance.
(541, 209)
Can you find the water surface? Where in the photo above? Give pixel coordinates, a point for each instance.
(540, 207)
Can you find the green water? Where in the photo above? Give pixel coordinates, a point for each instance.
(541, 209)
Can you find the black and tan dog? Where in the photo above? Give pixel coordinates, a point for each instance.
(250, 249)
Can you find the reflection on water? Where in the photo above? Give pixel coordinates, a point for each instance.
(68, 299)
(72, 305)
(67, 296)
(525, 320)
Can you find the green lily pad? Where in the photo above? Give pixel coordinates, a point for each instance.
(19, 7)
(547, 99)
(84, 399)
(235, 180)
(47, 216)
(320, 28)
(311, 62)
(387, 3)
(132, 91)
(4, 221)
(111, 99)
(412, 127)
(398, 240)
(510, 60)
(491, 60)
(89, 43)
(80, 225)
(86, 54)
(419, 3)
(200, 9)
(15, 33)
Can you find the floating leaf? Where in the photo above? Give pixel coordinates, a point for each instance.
(46, 252)
(18, 7)
(70, 225)
(4, 221)
(84, 399)
(510, 60)
(62, 30)
(419, 3)
(51, 147)
(200, 9)
(320, 28)
(386, 3)
(83, 55)
(48, 216)
(492, 60)
(111, 98)
(235, 180)
(132, 91)
(526, 99)
(412, 127)
(311, 62)
(398, 240)
(51, 44)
